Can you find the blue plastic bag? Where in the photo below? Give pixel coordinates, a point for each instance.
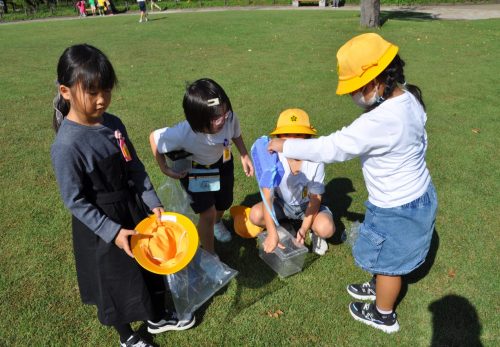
(268, 168)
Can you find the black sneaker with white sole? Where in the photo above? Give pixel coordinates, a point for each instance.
(364, 291)
(135, 340)
(367, 313)
(170, 322)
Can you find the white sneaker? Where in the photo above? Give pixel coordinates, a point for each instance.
(221, 233)
(319, 245)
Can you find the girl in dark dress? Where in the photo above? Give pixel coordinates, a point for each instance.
(105, 186)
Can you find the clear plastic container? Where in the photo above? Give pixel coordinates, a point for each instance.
(287, 261)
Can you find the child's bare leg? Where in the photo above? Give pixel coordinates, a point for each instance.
(323, 225)
(387, 289)
(206, 229)
(219, 215)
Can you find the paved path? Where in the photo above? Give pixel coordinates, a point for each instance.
(458, 11)
(482, 11)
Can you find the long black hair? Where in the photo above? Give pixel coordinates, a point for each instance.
(85, 65)
(204, 100)
(394, 75)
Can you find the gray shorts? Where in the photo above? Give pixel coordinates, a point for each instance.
(296, 212)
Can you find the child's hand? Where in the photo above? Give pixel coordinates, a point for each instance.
(301, 236)
(247, 165)
(174, 174)
(271, 242)
(158, 211)
(276, 145)
(121, 240)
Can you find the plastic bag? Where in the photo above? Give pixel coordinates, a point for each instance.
(199, 281)
(350, 235)
(268, 168)
(175, 199)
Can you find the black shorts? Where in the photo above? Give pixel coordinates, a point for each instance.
(222, 199)
(142, 6)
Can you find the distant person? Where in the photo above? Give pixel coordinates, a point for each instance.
(100, 7)
(92, 7)
(144, 10)
(391, 141)
(154, 4)
(109, 7)
(207, 134)
(108, 192)
(335, 3)
(299, 195)
(81, 8)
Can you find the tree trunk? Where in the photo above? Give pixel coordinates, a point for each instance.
(370, 13)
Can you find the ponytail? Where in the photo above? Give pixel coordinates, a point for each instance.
(393, 76)
(417, 93)
(61, 110)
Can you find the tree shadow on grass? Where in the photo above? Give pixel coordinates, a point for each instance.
(455, 322)
(405, 14)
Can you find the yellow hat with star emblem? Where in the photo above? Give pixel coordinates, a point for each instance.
(294, 121)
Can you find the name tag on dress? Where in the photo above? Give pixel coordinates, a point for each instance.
(204, 180)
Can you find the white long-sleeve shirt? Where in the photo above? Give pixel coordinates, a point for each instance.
(391, 142)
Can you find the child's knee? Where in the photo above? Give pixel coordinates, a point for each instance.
(256, 214)
(324, 226)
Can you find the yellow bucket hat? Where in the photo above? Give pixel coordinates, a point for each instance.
(294, 121)
(165, 247)
(242, 224)
(361, 59)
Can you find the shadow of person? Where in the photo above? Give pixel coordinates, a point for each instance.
(423, 270)
(255, 279)
(337, 198)
(454, 322)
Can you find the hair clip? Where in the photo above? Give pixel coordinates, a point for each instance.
(213, 102)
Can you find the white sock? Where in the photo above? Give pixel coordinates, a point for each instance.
(382, 311)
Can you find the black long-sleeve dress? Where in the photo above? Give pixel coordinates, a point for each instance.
(104, 193)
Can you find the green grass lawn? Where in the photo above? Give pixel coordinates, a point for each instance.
(266, 61)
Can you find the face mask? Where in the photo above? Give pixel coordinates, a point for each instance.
(359, 99)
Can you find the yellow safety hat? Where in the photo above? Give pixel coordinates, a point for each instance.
(294, 121)
(242, 224)
(361, 59)
(167, 246)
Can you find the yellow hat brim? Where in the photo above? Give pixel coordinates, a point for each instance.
(242, 225)
(355, 83)
(294, 129)
(139, 240)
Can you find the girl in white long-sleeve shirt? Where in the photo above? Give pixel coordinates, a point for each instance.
(391, 141)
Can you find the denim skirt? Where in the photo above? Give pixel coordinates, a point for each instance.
(395, 241)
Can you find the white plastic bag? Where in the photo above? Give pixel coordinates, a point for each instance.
(175, 199)
(192, 286)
